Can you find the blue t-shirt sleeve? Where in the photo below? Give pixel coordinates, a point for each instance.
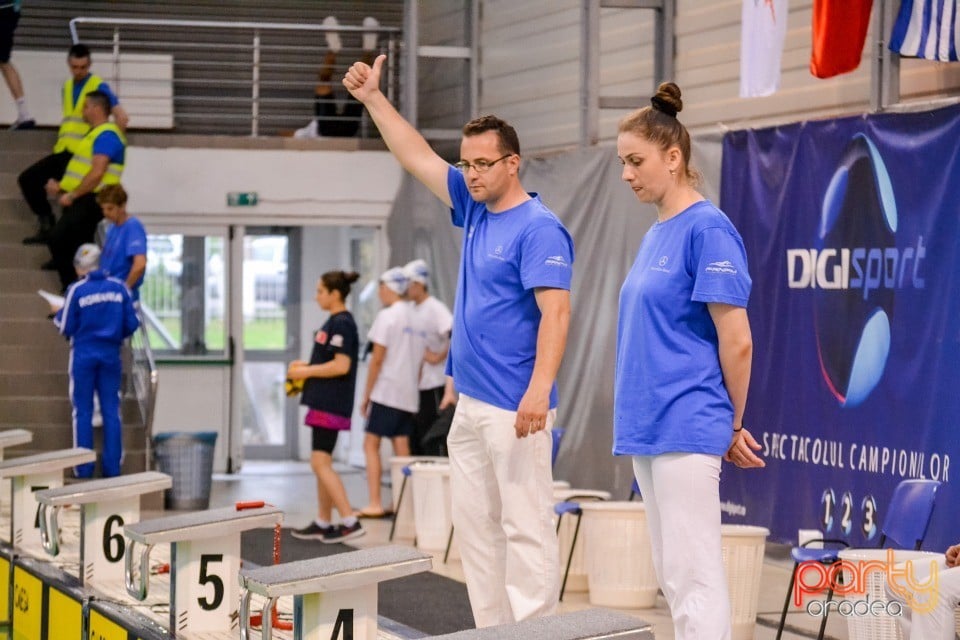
(546, 257)
(109, 144)
(105, 88)
(136, 239)
(459, 196)
(720, 271)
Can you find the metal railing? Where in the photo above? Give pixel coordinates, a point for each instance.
(237, 77)
(143, 381)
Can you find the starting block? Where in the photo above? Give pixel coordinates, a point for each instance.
(13, 437)
(106, 506)
(590, 624)
(335, 596)
(204, 560)
(31, 474)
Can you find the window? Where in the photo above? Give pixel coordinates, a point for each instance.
(183, 294)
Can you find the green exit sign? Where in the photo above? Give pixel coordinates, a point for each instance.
(242, 199)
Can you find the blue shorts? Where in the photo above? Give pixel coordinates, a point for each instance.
(388, 422)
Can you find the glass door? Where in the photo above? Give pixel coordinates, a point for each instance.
(270, 326)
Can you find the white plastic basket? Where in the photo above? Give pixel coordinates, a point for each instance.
(404, 515)
(743, 548)
(878, 625)
(617, 555)
(431, 504)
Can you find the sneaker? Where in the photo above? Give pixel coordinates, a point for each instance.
(333, 37)
(309, 131)
(20, 125)
(370, 38)
(313, 531)
(343, 532)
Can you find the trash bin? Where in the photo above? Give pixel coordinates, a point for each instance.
(188, 459)
(619, 563)
(743, 547)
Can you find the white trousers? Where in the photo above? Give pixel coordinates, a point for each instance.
(681, 492)
(939, 623)
(502, 495)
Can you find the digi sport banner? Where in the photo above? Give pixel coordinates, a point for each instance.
(852, 231)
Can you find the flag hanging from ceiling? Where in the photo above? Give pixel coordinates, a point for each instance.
(763, 31)
(927, 29)
(839, 31)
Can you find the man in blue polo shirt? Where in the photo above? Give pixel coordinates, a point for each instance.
(125, 249)
(511, 315)
(97, 161)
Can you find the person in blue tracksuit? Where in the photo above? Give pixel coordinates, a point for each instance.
(97, 315)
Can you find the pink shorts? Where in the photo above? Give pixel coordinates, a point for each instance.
(324, 420)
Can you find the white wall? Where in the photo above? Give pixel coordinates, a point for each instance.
(530, 69)
(295, 187)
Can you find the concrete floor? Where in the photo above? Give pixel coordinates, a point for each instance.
(291, 486)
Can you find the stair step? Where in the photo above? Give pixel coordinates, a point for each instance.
(34, 358)
(55, 409)
(21, 256)
(24, 306)
(52, 437)
(8, 182)
(14, 281)
(39, 140)
(14, 209)
(27, 331)
(13, 231)
(33, 384)
(16, 159)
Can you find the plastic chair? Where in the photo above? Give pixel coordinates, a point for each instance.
(634, 491)
(557, 437)
(904, 526)
(557, 434)
(403, 487)
(571, 506)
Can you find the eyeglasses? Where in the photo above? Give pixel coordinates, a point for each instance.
(481, 166)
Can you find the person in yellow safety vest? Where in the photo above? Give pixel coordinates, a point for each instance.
(73, 128)
(97, 161)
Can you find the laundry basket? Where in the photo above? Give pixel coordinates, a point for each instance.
(878, 624)
(403, 515)
(431, 504)
(188, 459)
(743, 548)
(619, 563)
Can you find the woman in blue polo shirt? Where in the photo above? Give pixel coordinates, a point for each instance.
(330, 379)
(683, 366)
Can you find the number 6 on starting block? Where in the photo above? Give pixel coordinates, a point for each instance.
(106, 506)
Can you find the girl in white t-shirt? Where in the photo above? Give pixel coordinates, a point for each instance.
(391, 396)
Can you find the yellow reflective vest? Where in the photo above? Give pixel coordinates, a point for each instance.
(73, 127)
(82, 161)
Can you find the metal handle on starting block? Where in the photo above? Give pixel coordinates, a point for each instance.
(49, 529)
(137, 588)
(266, 617)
